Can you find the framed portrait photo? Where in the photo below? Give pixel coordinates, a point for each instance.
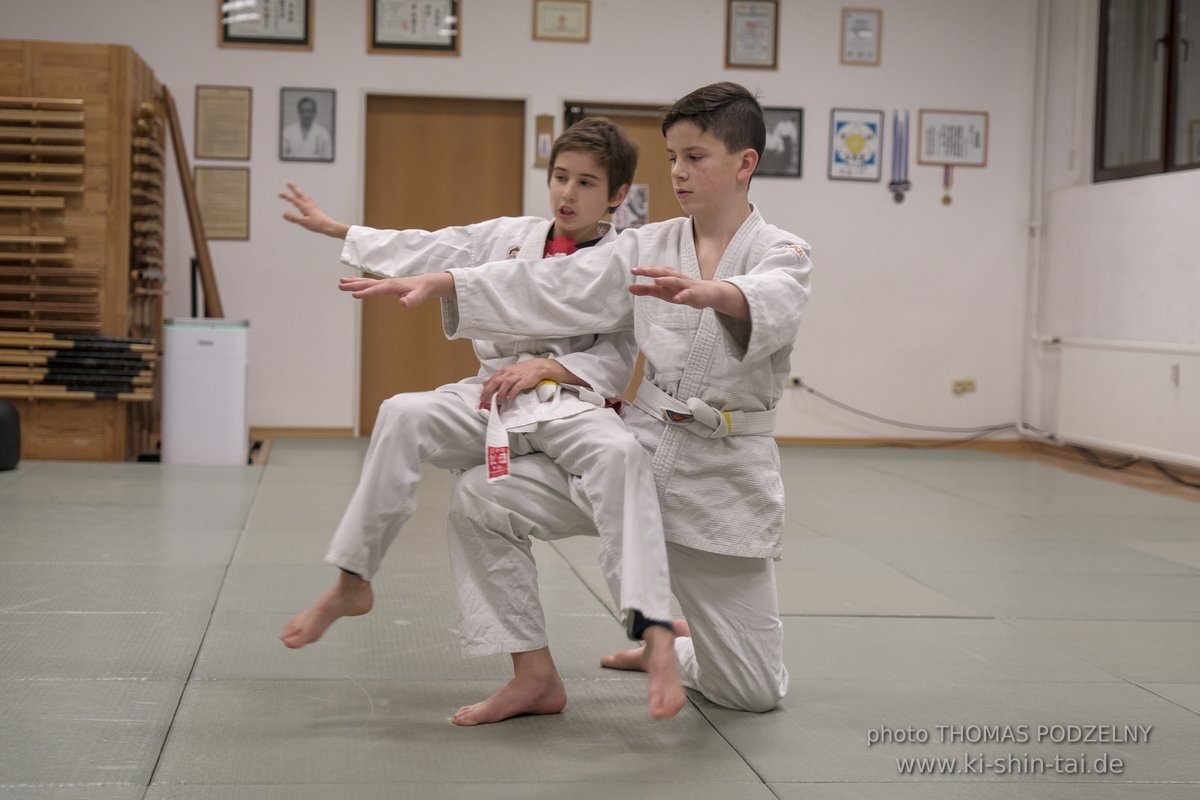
(862, 36)
(412, 27)
(562, 20)
(306, 124)
(782, 155)
(284, 24)
(855, 144)
(752, 34)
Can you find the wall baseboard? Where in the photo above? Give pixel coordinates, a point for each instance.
(999, 446)
(263, 434)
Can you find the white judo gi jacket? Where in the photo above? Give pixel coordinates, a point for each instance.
(605, 361)
(721, 495)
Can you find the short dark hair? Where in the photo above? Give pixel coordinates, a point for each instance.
(612, 148)
(727, 110)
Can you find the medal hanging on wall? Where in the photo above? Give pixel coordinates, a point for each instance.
(899, 184)
(947, 182)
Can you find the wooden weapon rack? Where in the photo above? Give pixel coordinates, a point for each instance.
(82, 143)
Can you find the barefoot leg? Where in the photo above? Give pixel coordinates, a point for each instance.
(350, 596)
(665, 692)
(635, 657)
(536, 688)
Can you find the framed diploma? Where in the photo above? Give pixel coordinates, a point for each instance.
(223, 122)
(562, 20)
(285, 24)
(862, 36)
(855, 144)
(781, 156)
(952, 138)
(752, 34)
(424, 27)
(223, 197)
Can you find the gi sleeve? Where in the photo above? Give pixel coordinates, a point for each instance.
(776, 289)
(607, 366)
(397, 254)
(586, 292)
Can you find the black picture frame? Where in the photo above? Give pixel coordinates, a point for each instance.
(269, 24)
(319, 143)
(783, 156)
(391, 30)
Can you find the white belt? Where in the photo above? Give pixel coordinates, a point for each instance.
(700, 418)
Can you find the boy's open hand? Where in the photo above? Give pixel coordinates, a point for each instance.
(311, 217)
(409, 292)
(673, 286)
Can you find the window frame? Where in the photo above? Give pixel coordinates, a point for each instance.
(1165, 162)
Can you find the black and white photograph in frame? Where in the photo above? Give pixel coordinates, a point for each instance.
(782, 155)
(306, 124)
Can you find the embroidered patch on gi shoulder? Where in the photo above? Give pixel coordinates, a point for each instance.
(514, 251)
(799, 250)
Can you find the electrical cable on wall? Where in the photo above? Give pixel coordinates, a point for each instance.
(987, 430)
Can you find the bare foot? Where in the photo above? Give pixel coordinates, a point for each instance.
(350, 596)
(634, 659)
(536, 688)
(665, 692)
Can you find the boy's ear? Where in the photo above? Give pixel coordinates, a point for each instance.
(618, 196)
(748, 165)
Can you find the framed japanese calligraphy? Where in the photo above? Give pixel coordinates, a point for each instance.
(952, 138)
(283, 24)
(223, 122)
(409, 27)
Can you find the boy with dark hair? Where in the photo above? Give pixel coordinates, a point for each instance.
(543, 394)
(717, 334)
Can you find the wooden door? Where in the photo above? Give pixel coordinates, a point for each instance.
(431, 162)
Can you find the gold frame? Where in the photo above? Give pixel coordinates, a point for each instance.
(265, 42)
(732, 31)
(233, 211)
(544, 34)
(862, 62)
(224, 113)
(378, 47)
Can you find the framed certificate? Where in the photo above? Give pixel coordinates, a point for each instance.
(752, 34)
(223, 197)
(855, 144)
(284, 24)
(952, 138)
(862, 32)
(412, 27)
(562, 20)
(223, 122)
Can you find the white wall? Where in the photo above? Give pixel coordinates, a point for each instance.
(906, 297)
(1118, 270)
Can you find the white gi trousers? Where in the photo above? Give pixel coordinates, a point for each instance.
(734, 656)
(440, 428)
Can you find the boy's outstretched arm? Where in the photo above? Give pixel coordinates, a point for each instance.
(409, 292)
(673, 286)
(311, 217)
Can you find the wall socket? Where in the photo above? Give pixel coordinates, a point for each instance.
(962, 385)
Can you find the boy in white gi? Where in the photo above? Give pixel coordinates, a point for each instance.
(717, 334)
(545, 394)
